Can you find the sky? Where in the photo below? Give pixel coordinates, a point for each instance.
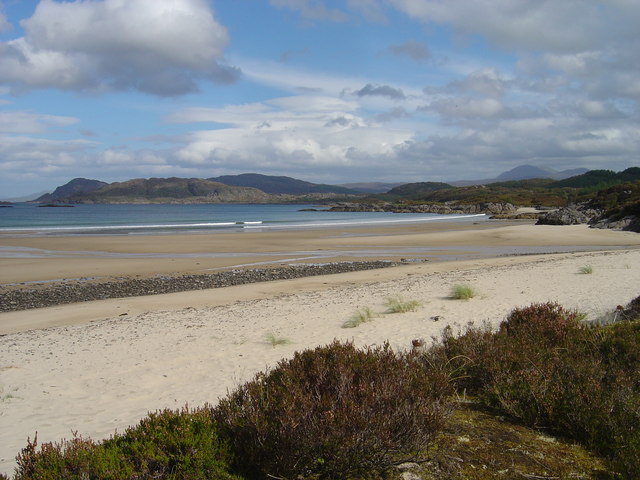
(326, 91)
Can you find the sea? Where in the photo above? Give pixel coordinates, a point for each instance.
(138, 219)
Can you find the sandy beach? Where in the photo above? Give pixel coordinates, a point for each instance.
(97, 367)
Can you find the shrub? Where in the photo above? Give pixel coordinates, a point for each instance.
(334, 412)
(400, 305)
(547, 369)
(548, 322)
(166, 444)
(462, 292)
(586, 270)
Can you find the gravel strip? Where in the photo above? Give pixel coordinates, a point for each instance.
(47, 295)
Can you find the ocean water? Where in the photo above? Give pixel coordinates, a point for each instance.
(163, 219)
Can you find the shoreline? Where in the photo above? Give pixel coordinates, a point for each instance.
(55, 259)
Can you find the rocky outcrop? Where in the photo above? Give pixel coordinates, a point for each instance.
(630, 223)
(583, 213)
(443, 209)
(570, 215)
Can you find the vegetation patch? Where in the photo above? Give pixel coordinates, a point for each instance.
(400, 305)
(586, 270)
(546, 369)
(361, 316)
(462, 292)
(478, 444)
(335, 412)
(274, 339)
(166, 444)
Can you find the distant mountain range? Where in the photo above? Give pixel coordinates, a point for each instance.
(524, 172)
(257, 188)
(371, 187)
(279, 185)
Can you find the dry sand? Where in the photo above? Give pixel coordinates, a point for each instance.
(89, 368)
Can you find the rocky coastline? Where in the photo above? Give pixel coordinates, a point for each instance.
(24, 297)
(577, 214)
(489, 208)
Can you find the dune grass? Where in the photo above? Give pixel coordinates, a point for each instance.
(462, 292)
(586, 270)
(400, 305)
(361, 316)
(274, 340)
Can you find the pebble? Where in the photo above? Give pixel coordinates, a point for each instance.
(39, 296)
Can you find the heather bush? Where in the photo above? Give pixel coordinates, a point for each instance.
(166, 444)
(545, 322)
(334, 412)
(548, 370)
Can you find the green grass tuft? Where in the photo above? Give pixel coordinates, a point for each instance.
(462, 292)
(361, 316)
(275, 340)
(400, 305)
(586, 270)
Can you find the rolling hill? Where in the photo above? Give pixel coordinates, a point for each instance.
(279, 184)
(168, 190)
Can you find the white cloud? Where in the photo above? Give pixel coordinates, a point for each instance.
(161, 48)
(23, 122)
(486, 81)
(549, 25)
(295, 133)
(39, 156)
(467, 107)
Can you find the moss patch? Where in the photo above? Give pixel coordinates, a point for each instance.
(479, 445)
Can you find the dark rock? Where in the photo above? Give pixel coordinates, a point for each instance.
(570, 215)
(630, 223)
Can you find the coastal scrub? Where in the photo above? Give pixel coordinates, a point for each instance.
(549, 370)
(335, 412)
